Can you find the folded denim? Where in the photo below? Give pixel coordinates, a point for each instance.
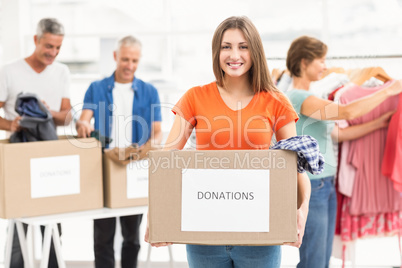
(36, 122)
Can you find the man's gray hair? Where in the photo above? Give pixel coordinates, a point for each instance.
(128, 40)
(49, 25)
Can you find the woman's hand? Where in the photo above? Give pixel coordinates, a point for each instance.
(146, 237)
(301, 224)
(383, 120)
(394, 88)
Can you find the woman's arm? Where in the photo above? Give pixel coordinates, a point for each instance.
(320, 109)
(357, 131)
(179, 134)
(303, 186)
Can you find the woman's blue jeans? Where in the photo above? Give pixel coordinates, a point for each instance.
(316, 247)
(200, 256)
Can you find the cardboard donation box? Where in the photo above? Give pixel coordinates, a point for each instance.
(125, 185)
(48, 177)
(233, 197)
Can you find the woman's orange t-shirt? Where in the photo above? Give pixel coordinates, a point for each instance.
(219, 127)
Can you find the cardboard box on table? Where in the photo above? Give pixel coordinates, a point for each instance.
(125, 185)
(232, 197)
(49, 177)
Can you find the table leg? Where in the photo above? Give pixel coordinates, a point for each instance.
(29, 241)
(23, 242)
(46, 246)
(57, 246)
(171, 261)
(149, 256)
(9, 243)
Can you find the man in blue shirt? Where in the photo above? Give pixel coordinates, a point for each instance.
(127, 110)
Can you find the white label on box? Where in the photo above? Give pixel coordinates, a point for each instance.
(55, 176)
(137, 179)
(225, 200)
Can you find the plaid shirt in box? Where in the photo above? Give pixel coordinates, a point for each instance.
(309, 157)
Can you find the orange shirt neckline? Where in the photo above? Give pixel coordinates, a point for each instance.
(218, 95)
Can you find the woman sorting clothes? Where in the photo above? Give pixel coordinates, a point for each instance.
(306, 63)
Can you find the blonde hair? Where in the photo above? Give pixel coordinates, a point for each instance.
(259, 75)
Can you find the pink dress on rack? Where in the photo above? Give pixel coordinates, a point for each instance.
(373, 193)
(374, 207)
(392, 161)
(346, 172)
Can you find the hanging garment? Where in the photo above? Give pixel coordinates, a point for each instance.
(36, 122)
(346, 172)
(372, 192)
(309, 157)
(331, 96)
(285, 82)
(323, 87)
(363, 226)
(392, 160)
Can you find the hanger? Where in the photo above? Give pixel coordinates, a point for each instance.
(276, 74)
(359, 76)
(380, 74)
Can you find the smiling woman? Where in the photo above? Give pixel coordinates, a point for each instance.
(241, 110)
(235, 57)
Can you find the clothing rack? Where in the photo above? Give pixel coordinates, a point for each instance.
(396, 56)
(391, 63)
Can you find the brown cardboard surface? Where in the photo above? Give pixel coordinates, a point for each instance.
(165, 196)
(15, 177)
(115, 186)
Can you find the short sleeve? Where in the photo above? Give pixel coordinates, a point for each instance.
(297, 97)
(185, 107)
(284, 112)
(156, 105)
(88, 100)
(66, 82)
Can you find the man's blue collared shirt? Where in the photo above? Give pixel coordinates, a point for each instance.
(146, 107)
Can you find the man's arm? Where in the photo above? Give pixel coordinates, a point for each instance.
(8, 124)
(62, 117)
(83, 125)
(156, 133)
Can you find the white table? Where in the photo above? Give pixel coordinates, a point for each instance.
(51, 230)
